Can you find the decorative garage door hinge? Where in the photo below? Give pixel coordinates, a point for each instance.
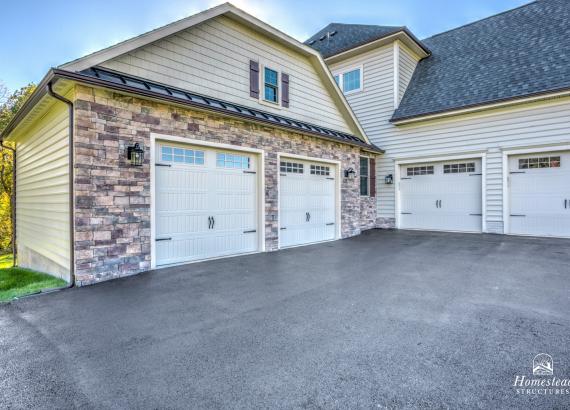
(162, 165)
(405, 178)
(163, 239)
(249, 172)
(474, 175)
(330, 223)
(283, 229)
(331, 178)
(517, 172)
(476, 214)
(406, 213)
(518, 215)
(251, 231)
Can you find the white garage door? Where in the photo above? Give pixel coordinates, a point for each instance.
(206, 203)
(441, 196)
(307, 202)
(539, 186)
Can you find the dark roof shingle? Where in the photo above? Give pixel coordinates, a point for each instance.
(343, 37)
(514, 54)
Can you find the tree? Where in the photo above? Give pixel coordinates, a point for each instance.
(9, 106)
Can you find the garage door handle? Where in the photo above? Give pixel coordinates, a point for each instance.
(213, 222)
(251, 231)
(163, 239)
(565, 203)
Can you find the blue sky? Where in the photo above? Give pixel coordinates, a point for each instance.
(39, 35)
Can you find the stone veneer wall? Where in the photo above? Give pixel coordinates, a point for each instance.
(113, 198)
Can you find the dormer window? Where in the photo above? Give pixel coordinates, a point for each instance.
(349, 80)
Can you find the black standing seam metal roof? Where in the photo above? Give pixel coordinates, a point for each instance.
(520, 52)
(198, 100)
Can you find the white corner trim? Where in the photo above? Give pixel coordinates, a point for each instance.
(338, 191)
(171, 138)
(403, 161)
(506, 181)
(396, 64)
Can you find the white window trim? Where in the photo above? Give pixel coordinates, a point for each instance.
(262, 99)
(341, 73)
(359, 176)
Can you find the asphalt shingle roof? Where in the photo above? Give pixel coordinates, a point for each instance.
(346, 36)
(518, 53)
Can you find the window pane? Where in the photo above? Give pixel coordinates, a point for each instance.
(178, 151)
(270, 77)
(199, 161)
(363, 185)
(364, 166)
(351, 80)
(270, 93)
(166, 157)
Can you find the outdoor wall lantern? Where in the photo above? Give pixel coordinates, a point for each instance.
(350, 173)
(135, 155)
(389, 179)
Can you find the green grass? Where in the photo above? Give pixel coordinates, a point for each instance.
(15, 282)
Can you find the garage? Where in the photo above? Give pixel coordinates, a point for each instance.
(206, 203)
(444, 196)
(307, 202)
(539, 194)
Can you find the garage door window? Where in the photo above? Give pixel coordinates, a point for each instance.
(291, 167)
(320, 170)
(182, 156)
(542, 162)
(424, 170)
(224, 160)
(459, 168)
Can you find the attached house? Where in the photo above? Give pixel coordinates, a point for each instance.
(475, 122)
(219, 135)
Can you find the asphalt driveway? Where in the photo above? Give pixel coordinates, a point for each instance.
(383, 320)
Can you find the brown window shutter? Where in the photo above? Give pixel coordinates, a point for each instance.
(253, 79)
(372, 177)
(285, 90)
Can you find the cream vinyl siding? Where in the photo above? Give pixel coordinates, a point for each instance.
(407, 66)
(489, 132)
(42, 194)
(213, 57)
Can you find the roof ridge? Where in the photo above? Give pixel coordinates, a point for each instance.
(483, 19)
